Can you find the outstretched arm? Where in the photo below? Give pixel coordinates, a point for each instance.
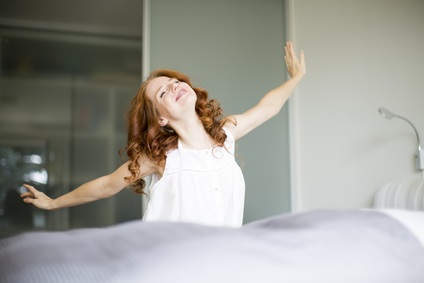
(273, 101)
(99, 188)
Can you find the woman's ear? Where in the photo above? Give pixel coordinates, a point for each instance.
(162, 121)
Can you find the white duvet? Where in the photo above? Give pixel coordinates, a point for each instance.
(317, 246)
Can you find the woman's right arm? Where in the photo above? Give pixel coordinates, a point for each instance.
(99, 188)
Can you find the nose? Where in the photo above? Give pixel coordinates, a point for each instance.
(174, 85)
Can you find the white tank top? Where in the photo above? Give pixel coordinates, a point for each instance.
(199, 186)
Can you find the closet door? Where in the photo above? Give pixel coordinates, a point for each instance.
(234, 49)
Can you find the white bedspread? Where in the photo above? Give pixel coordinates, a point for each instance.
(318, 246)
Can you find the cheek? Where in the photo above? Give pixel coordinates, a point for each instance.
(161, 110)
(165, 106)
(194, 97)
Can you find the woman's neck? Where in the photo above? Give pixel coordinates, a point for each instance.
(194, 136)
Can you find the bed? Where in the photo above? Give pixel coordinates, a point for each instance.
(316, 246)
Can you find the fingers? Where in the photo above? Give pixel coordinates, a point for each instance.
(27, 194)
(302, 62)
(302, 57)
(28, 200)
(290, 56)
(30, 188)
(294, 64)
(289, 48)
(31, 192)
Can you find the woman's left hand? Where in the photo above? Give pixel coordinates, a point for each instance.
(295, 66)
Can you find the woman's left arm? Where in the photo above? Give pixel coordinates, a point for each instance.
(273, 101)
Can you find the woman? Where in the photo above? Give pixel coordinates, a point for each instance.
(175, 134)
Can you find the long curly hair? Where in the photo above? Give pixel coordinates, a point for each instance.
(146, 138)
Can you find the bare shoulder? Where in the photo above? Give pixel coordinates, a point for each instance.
(238, 125)
(231, 125)
(147, 167)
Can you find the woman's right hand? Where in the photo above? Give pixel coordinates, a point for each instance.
(37, 198)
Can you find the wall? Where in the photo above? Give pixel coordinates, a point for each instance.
(361, 55)
(234, 49)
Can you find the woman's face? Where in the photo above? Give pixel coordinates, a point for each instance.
(172, 98)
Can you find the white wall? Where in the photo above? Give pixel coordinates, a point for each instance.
(360, 55)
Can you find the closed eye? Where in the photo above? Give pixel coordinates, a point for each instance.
(164, 92)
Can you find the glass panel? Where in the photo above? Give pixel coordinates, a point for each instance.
(21, 161)
(63, 96)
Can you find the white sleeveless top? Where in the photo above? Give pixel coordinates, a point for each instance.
(199, 186)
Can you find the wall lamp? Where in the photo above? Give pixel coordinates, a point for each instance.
(419, 154)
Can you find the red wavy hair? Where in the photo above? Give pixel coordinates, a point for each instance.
(147, 138)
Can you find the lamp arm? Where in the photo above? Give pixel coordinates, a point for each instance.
(415, 130)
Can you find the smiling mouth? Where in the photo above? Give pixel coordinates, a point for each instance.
(180, 94)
